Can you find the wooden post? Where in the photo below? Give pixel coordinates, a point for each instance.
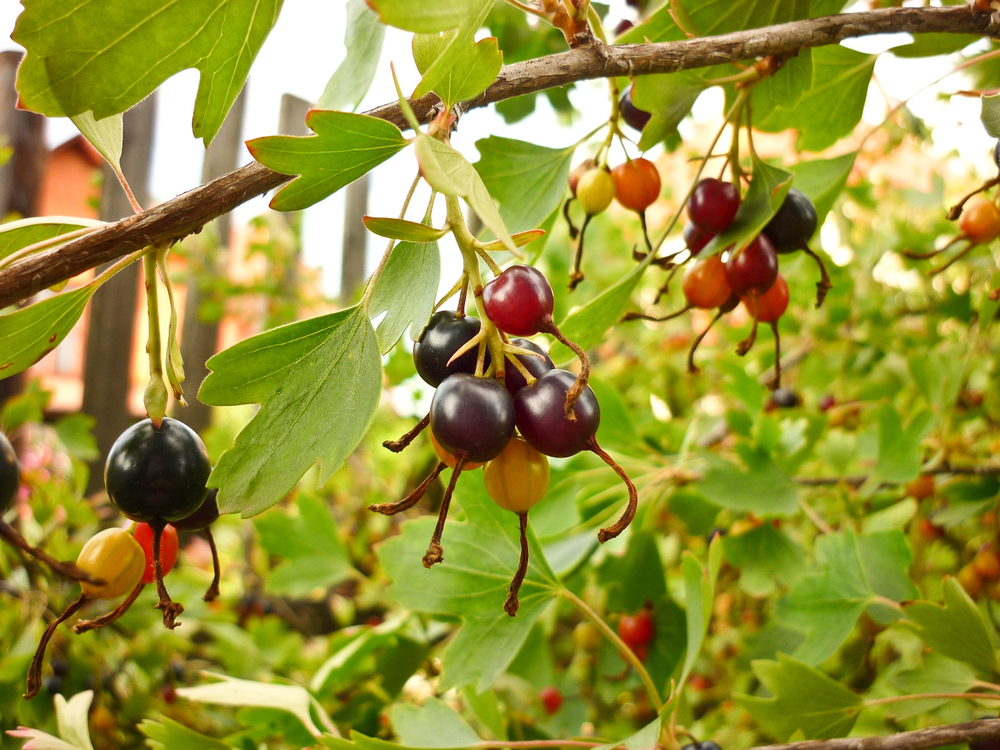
(107, 366)
(200, 338)
(21, 177)
(355, 247)
(292, 121)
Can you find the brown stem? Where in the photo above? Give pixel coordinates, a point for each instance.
(463, 295)
(920, 739)
(511, 605)
(65, 569)
(775, 383)
(955, 211)
(824, 284)
(645, 230)
(747, 344)
(213, 590)
(697, 342)
(581, 380)
(913, 255)
(576, 275)
(170, 608)
(666, 284)
(957, 257)
(655, 319)
(397, 446)
(573, 231)
(434, 552)
(391, 509)
(104, 620)
(610, 532)
(35, 670)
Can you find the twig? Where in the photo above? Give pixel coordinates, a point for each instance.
(921, 739)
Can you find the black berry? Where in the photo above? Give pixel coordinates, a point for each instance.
(537, 366)
(444, 335)
(205, 516)
(10, 474)
(794, 223)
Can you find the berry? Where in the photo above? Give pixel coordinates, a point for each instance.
(518, 478)
(754, 269)
(636, 630)
(984, 745)
(706, 745)
(115, 557)
(10, 474)
(595, 190)
(542, 420)
(784, 398)
(637, 184)
(537, 366)
(794, 223)
(634, 117)
(827, 401)
(519, 301)
(986, 564)
(980, 221)
(169, 693)
(623, 26)
(996, 154)
(471, 415)
(970, 581)
(695, 238)
(445, 334)
(713, 204)
(705, 284)
(551, 699)
(920, 488)
(157, 475)
(930, 530)
(202, 518)
(579, 171)
(169, 546)
(770, 305)
(450, 460)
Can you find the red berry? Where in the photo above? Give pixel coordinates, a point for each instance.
(695, 238)
(705, 284)
(713, 204)
(930, 530)
(168, 549)
(519, 301)
(637, 184)
(770, 305)
(754, 269)
(980, 221)
(636, 630)
(827, 401)
(169, 693)
(551, 699)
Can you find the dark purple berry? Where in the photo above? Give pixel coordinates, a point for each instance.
(754, 269)
(10, 474)
(695, 238)
(202, 518)
(542, 420)
(537, 366)
(634, 117)
(713, 204)
(445, 334)
(472, 415)
(793, 224)
(784, 398)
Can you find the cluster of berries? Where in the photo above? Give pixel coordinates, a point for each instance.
(156, 477)
(501, 403)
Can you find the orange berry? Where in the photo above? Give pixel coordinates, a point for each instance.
(986, 564)
(970, 581)
(920, 488)
(980, 221)
(637, 184)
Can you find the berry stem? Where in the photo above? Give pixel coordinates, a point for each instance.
(655, 319)
(155, 396)
(104, 620)
(576, 275)
(692, 368)
(511, 605)
(957, 257)
(213, 590)
(391, 509)
(35, 670)
(610, 532)
(824, 284)
(175, 362)
(65, 569)
(170, 608)
(434, 552)
(396, 446)
(581, 380)
(645, 230)
(747, 344)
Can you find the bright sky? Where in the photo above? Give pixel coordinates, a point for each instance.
(306, 46)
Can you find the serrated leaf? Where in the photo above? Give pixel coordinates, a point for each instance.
(401, 229)
(480, 557)
(527, 180)
(764, 197)
(786, 87)
(16, 235)
(855, 571)
(344, 147)
(405, 292)
(435, 724)
(699, 593)
(899, 453)
(759, 485)
(938, 674)
(956, 629)
(171, 735)
(448, 172)
(318, 383)
(765, 556)
(105, 56)
(314, 554)
(832, 106)
(351, 80)
(804, 699)
(668, 99)
(587, 324)
(105, 135)
(28, 334)
(822, 180)
(481, 63)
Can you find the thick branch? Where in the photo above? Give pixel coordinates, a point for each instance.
(921, 739)
(188, 213)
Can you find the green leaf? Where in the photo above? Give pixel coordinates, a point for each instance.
(929, 45)
(822, 180)
(854, 572)
(636, 577)
(345, 147)
(804, 699)
(764, 556)
(435, 724)
(699, 593)
(447, 171)
(899, 453)
(17, 235)
(767, 192)
(105, 56)
(104, 135)
(938, 674)
(28, 334)
(480, 557)
(786, 87)
(318, 383)
(587, 324)
(351, 80)
(528, 181)
(170, 735)
(482, 61)
(314, 554)
(405, 291)
(832, 106)
(956, 629)
(644, 739)
(668, 99)
(759, 486)
(991, 114)
(401, 229)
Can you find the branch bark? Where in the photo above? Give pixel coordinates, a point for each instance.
(189, 212)
(921, 739)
